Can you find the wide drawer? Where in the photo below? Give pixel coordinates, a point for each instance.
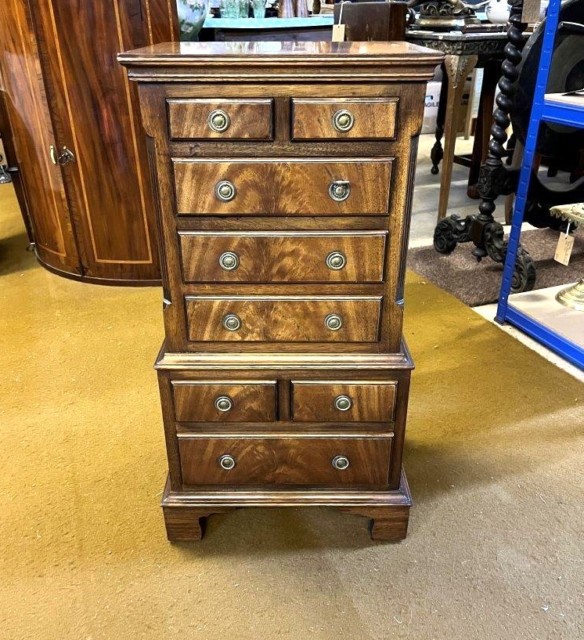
(285, 460)
(228, 401)
(345, 119)
(228, 119)
(296, 188)
(282, 257)
(340, 401)
(283, 318)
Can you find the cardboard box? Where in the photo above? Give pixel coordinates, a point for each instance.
(431, 106)
(433, 100)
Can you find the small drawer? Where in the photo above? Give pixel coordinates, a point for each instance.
(283, 318)
(344, 119)
(285, 461)
(282, 256)
(229, 401)
(341, 401)
(356, 186)
(201, 119)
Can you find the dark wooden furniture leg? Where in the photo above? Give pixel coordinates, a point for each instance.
(437, 153)
(486, 233)
(457, 69)
(389, 524)
(184, 524)
(483, 128)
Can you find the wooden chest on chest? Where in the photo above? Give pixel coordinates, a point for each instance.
(283, 174)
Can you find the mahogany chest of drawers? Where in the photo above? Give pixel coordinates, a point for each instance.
(283, 173)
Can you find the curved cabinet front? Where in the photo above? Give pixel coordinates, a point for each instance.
(91, 210)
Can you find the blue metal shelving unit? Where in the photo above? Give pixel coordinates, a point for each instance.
(549, 109)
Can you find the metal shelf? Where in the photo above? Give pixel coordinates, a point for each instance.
(563, 109)
(560, 109)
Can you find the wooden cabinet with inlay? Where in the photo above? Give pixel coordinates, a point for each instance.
(283, 177)
(82, 179)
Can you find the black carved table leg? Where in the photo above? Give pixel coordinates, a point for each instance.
(494, 179)
(493, 176)
(437, 153)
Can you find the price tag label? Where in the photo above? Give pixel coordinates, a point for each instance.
(564, 249)
(339, 28)
(338, 33)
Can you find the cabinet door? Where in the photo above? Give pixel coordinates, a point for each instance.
(98, 119)
(40, 183)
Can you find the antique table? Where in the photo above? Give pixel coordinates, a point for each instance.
(464, 51)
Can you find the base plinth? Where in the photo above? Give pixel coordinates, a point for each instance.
(185, 512)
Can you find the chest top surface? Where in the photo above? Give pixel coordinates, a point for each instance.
(280, 61)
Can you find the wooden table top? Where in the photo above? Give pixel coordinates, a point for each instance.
(188, 52)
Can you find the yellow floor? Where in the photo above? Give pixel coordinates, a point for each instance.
(494, 457)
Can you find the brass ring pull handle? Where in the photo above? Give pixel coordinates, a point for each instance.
(232, 322)
(229, 261)
(218, 121)
(336, 260)
(343, 120)
(340, 463)
(333, 322)
(340, 190)
(225, 191)
(223, 404)
(227, 462)
(343, 403)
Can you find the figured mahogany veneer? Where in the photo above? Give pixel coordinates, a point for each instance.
(285, 461)
(284, 180)
(273, 256)
(284, 319)
(271, 187)
(229, 401)
(373, 118)
(343, 401)
(249, 119)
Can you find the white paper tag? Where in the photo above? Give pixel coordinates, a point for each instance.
(338, 33)
(564, 249)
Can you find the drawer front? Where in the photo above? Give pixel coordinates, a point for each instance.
(229, 401)
(294, 188)
(227, 119)
(283, 257)
(343, 401)
(344, 119)
(283, 319)
(285, 461)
